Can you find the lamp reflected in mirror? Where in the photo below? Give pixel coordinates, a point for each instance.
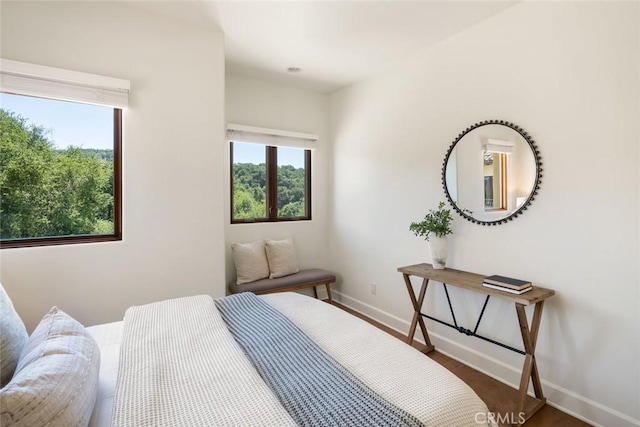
(491, 172)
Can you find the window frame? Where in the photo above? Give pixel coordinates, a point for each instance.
(271, 198)
(117, 205)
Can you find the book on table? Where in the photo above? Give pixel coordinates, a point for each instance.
(507, 282)
(505, 289)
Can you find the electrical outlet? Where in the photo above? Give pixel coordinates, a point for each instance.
(373, 288)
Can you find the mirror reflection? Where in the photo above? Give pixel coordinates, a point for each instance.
(495, 181)
(491, 172)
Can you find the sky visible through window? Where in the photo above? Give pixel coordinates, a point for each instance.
(251, 153)
(87, 127)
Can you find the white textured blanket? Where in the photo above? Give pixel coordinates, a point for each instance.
(397, 372)
(316, 390)
(180, 366)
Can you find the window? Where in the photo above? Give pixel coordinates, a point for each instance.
(60, 157)
(269, 183)
(270, 174)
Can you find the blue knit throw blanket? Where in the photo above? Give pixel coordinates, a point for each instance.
(315, 389)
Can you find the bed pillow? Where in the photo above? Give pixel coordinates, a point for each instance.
(251, 261)
(56, 380)
(13, 336)
(281, 255)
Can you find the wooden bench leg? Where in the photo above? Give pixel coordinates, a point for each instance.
(315, 292)
(328, 285)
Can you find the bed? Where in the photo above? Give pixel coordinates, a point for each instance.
(401, 374)
(274, 360)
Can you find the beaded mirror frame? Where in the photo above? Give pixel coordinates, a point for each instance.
(537, 179)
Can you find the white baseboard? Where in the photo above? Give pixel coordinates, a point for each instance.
(559, 397)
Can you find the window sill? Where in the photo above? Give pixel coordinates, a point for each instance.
(56, 241)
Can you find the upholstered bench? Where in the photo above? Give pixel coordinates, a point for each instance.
(309, 278)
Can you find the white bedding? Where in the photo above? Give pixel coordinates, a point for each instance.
(396, 371)
(109, 337)
(181, 366)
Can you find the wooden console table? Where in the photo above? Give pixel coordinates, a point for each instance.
(473, 282)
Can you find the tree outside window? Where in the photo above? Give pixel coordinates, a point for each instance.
(269, 184)
(59, 172)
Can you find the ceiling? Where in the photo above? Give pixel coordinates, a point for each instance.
(334, 43)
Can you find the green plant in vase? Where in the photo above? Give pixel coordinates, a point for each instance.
(435, 227)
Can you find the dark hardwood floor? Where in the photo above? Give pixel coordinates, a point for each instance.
(499, 397)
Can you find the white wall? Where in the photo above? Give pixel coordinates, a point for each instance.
(172, 153)
(568, 73)
(271, 105)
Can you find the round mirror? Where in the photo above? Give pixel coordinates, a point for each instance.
(491, 172)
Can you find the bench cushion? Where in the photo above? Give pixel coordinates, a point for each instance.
(311, 275)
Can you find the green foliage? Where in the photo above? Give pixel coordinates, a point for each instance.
(437, 222)
(250, 191)
(291, 187)
(50, 192)
(246, 206)
(100, 153)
